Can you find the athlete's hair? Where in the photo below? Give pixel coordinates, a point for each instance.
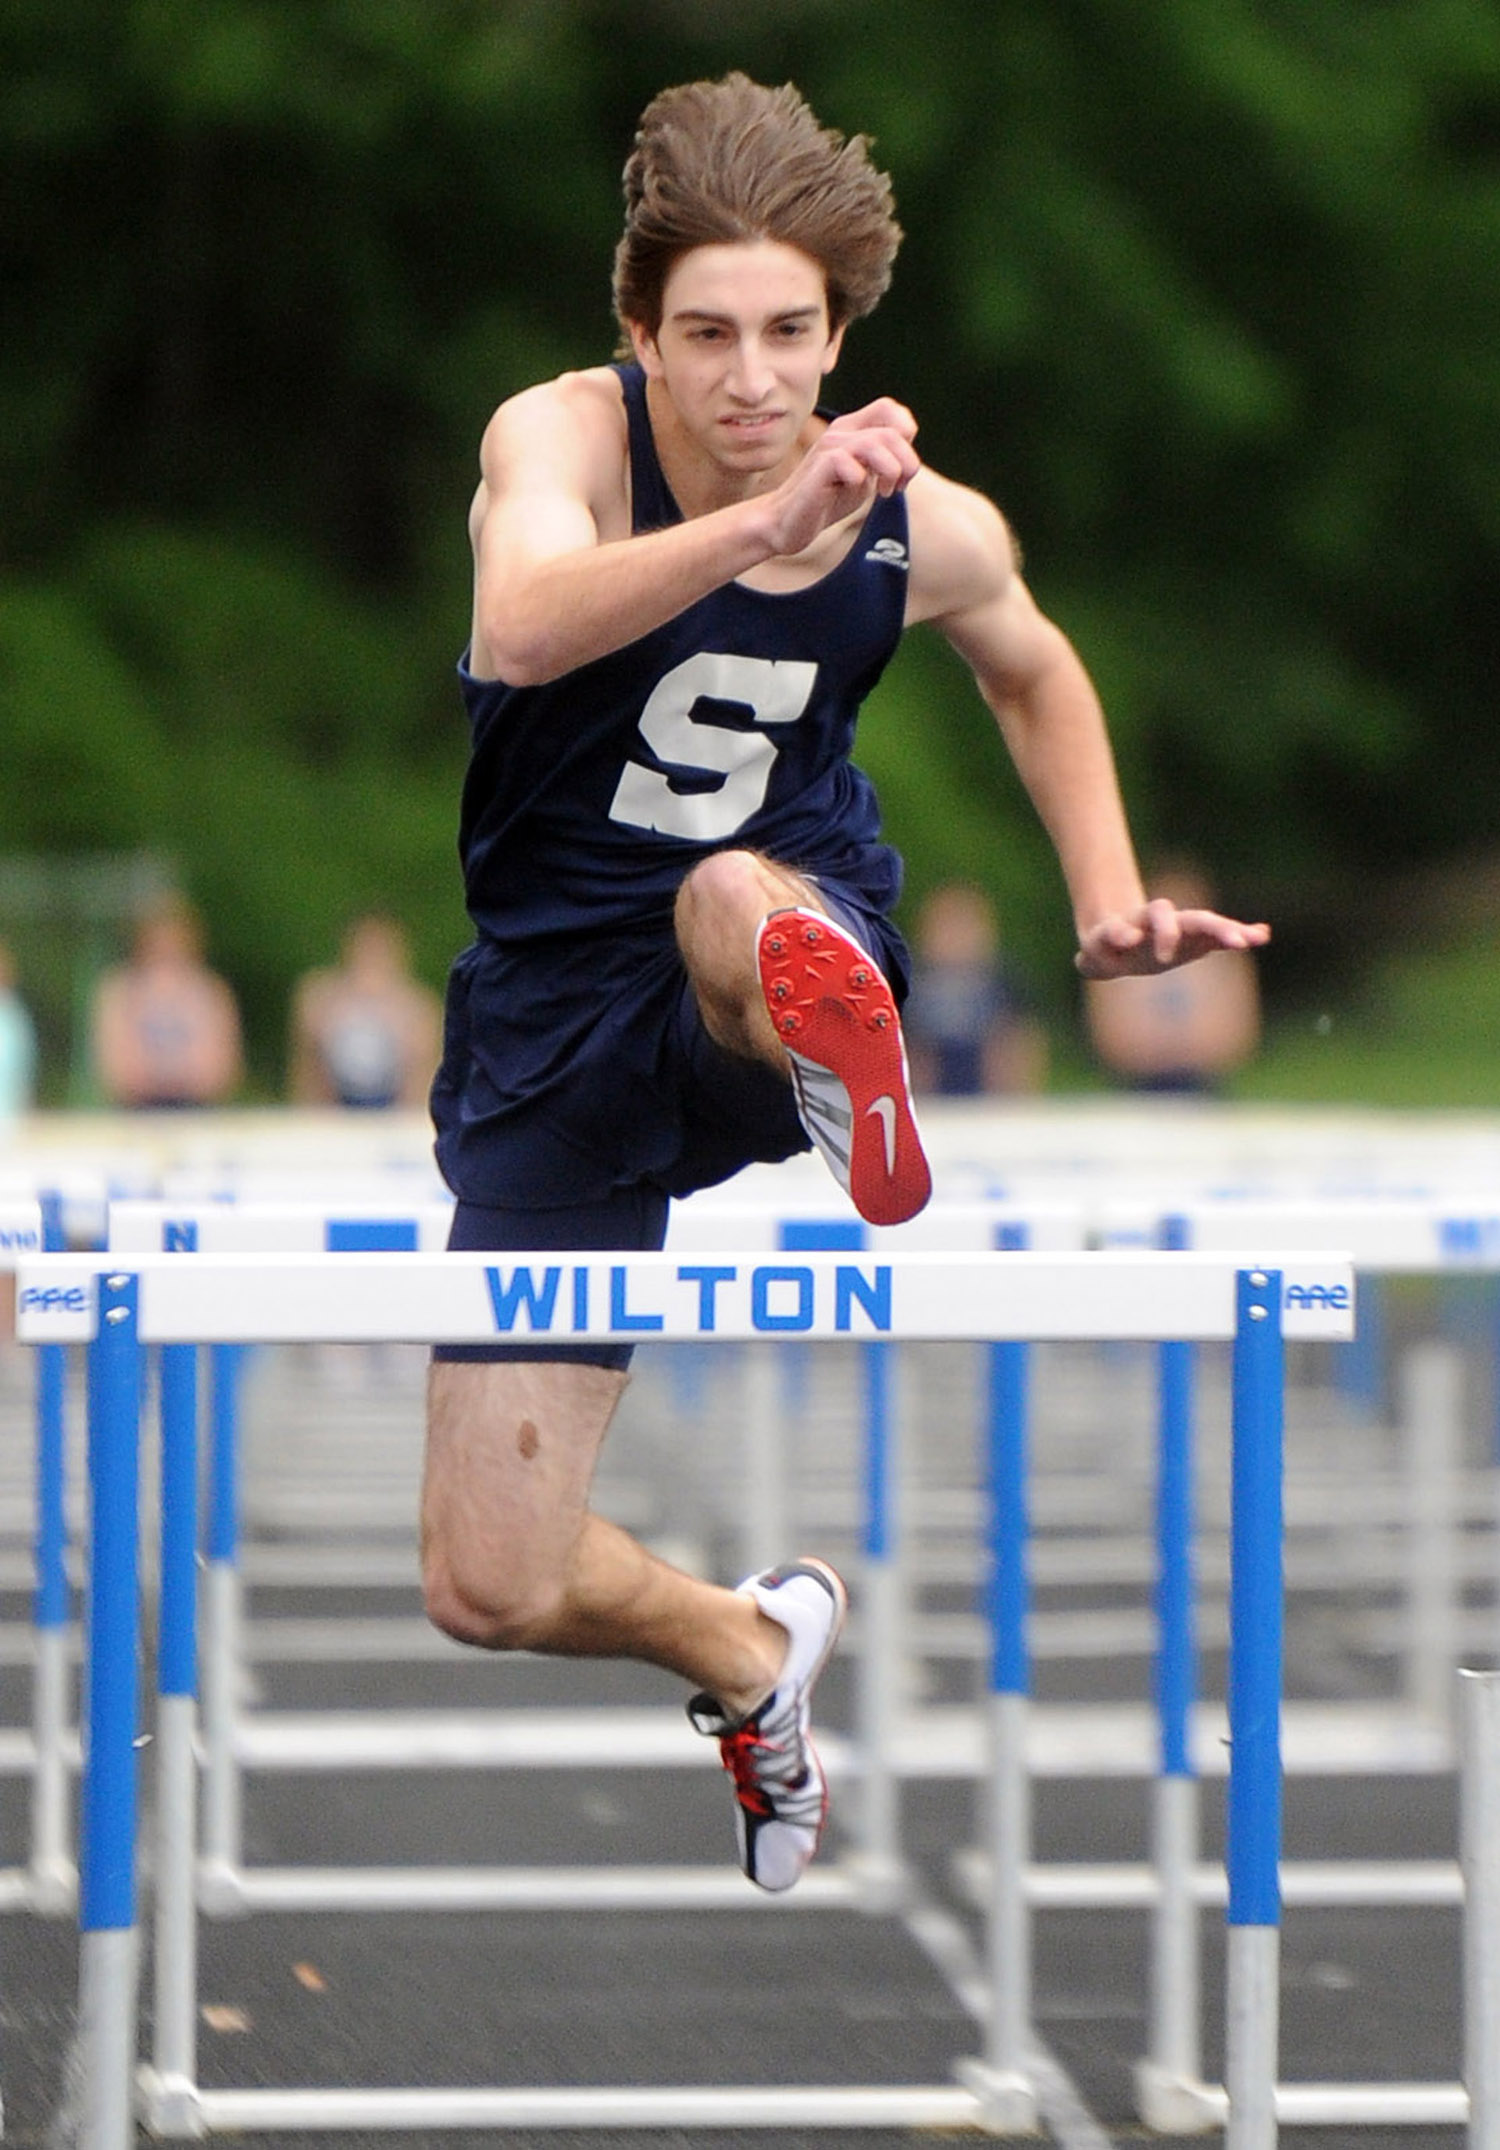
(717, 162)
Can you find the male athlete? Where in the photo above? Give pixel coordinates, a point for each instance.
(687, 577)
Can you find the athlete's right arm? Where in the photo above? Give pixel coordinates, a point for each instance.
(558, 578)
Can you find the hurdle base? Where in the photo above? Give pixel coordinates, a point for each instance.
(169, 2105)
(881, 1884)
(52, 1888)
(245, 1890)
(221, 1890)
(717, 2106)
(1346, 2105)
(1171, 2104)
(48, 1888)
(1007, 2103)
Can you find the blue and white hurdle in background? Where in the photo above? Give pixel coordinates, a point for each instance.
(1384, 1235)
(21, 1233)
(373, 1223)
(47, 1883)
(120, 1305)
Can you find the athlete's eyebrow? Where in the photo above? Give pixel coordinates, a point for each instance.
(706, 313)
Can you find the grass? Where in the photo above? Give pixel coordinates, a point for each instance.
(1422, 1032)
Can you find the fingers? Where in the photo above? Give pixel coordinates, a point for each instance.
(839, 477)
(1163, 931)
(1107, 949)
(881, 434)
(1208, 930)
(1160, 938)
(877, 452)
(885, 411)
(847, 467)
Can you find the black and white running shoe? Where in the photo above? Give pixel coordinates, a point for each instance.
(781, 1793)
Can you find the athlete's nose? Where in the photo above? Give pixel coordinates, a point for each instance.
(751, 378)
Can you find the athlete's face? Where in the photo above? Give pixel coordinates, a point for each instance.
(742, 350)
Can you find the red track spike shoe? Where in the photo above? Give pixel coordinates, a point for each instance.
(836, 1017)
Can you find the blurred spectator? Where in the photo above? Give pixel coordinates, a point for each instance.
(1181, 1030)
(968, 1030)
(17, 1045)
(166, 1028)
(367, 1034)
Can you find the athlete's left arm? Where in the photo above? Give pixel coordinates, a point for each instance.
(966, 580)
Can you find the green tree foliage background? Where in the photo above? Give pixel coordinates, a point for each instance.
(1205, 292)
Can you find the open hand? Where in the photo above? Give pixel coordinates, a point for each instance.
(1159, 937)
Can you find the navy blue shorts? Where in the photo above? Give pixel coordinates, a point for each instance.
(579, 1071)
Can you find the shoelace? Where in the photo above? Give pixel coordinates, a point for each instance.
(741, 1750)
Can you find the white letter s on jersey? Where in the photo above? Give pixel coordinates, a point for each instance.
(774, 690)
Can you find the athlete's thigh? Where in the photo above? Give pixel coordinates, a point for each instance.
(511, 1451)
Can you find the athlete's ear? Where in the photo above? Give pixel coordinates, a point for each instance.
(643, 343)
(835, 345)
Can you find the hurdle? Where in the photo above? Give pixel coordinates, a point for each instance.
(1387, 1234)
(22, 1888)
(47, 1883)
(1384, 1236)
(57, 1200)
(873, 1870)
(1170, 2094)
(1001, 1297)
(357, 1222)
(1394, 1233)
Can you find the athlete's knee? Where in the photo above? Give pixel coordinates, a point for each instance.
(719, 906)
(492, 1587)
(488, 1611)
(726, 890)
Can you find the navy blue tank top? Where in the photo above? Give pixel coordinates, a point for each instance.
(588, 799)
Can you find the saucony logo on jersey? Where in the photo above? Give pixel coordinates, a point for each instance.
(889, 552)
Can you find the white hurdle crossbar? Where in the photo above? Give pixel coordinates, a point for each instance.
(356, 1298)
